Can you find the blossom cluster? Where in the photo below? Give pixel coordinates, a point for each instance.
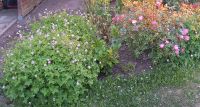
(182, 37)
(155, 17)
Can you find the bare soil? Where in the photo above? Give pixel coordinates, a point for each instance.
(129, 64)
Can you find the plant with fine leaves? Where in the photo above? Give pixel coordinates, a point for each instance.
(56, 63)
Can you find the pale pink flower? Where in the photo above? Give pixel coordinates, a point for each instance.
(184, 31)
(158, 4)
(177, 52)
(176, 47)
(114, 19)
(166, 42)
(181, 37)
(154, 25)
(134, 21)
(48, 61)
(122, 16)
(186, 38)
(141, 18)
(183, 50)
(162, 45)
(154, 22)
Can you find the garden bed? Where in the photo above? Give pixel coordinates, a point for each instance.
(141, 56)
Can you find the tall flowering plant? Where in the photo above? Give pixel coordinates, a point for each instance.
(152, 26)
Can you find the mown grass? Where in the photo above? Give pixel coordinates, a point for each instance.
(160, 87)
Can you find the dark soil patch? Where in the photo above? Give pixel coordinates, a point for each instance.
(128, 64)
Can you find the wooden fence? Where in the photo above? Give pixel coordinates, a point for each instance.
(25, 6)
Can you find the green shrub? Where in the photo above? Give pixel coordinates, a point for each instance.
(142, 41)
(100, 15)
(188, 50)
(56, 63)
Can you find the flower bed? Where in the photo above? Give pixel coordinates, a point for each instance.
(146, 26)
(58, 63)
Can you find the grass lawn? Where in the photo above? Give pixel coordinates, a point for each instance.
(160, 88)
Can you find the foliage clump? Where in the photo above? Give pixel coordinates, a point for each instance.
(56, 63)
(147, 28)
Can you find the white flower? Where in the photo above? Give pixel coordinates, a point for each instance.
(86, 42)
(89, 67)
(48, 61)
(13, 78)
(78, 45)
(73, 61)
(3, 87)
(47, 35)
(86, 50)
(31, 38)
(32, 62)
(167, 60)
(32, 53)
(54, 42)
(23, 66)
(77, 83)
(70, 43)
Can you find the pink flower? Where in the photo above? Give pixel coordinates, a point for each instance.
(183, 50)
(114, 19)
(130, 20)
(181, 37)
(186, 38)
(162, 46)
(141, 18)
(133, 9)
(194, 6)
(122, 17)
(177, 52)
(166, 42)
(184, 31)
(158, 4)
(154, 25)
(48, 61)
(154, 22)
(176, 48)
(134, 21)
